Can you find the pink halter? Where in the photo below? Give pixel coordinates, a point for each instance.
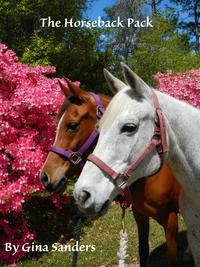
(158, 141)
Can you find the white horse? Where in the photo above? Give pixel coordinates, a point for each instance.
(125, 131)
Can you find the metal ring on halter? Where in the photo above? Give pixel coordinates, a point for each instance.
(75, 158)
(123, 179)
(100, 111)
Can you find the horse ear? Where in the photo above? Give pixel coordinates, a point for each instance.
(135, 82)
(64, 88)
(76, 91)
(114, 83)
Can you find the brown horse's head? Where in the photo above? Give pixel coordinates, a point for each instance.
(76, 121)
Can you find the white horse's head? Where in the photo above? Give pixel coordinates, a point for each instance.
(126, 129)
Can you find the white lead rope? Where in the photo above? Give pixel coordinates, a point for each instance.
(123, 244)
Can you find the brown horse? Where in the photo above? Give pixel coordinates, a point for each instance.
(155, 196)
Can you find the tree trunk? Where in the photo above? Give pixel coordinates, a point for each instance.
(153, 7)
(196, 25)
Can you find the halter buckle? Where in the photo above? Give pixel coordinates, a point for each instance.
(123, 179)
(75, 158)
(100, 111)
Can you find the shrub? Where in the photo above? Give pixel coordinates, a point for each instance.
(29, 101)
(183, 86)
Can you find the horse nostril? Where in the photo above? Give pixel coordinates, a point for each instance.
(44, 178)
(84, 196)
(63, 181)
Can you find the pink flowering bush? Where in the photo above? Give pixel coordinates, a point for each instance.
(60, 201)
(181, 86)
(29, 101)
(9, 231)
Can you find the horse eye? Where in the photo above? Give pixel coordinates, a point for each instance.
(129, 128)
(72, 126)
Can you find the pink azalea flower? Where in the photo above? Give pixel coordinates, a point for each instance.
(29, 102)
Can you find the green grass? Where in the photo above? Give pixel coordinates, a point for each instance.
(103, 233)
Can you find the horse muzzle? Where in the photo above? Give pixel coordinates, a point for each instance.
(58, 187)
(86, 203)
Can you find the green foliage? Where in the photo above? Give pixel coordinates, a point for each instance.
(19, 19)
(74, 51)
(192, 24)
(78, 57)
(163, 48)
(81, 54)
(123, 39)
(37, 53)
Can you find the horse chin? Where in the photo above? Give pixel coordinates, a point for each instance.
(96, 214)
(59, 187)
(60, 190)
(104, 208)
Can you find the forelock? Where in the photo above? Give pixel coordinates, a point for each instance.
(120, 102)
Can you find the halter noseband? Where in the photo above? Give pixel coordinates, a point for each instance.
(75, 157)
(158, 141)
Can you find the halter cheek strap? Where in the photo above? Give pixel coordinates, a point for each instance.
(158, 142)
(76, 156)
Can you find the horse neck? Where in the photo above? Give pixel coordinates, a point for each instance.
(183, 124)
